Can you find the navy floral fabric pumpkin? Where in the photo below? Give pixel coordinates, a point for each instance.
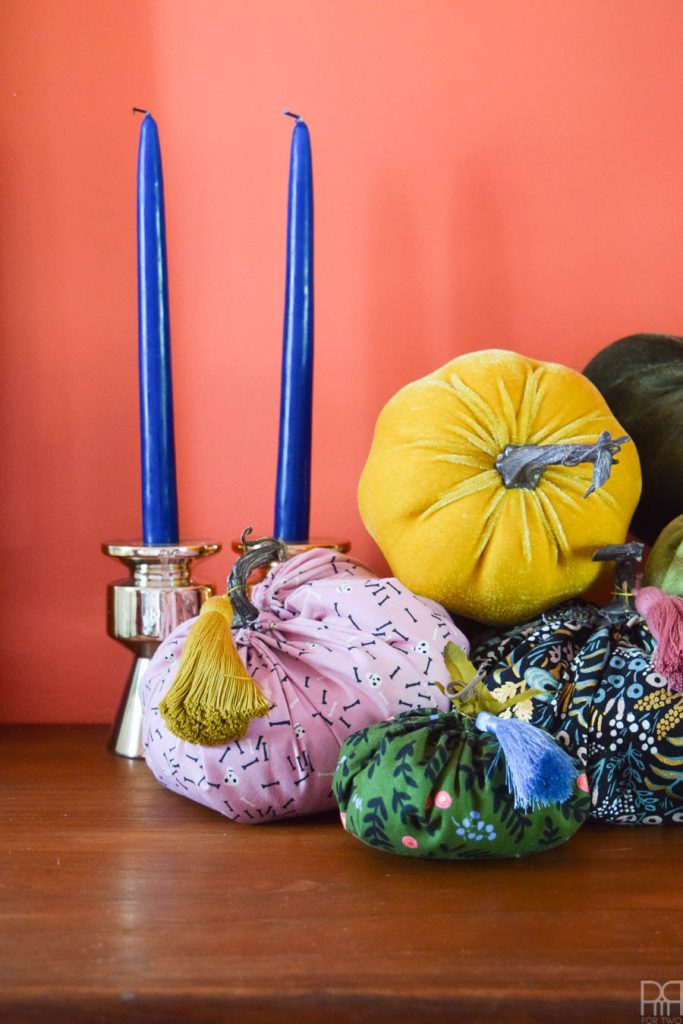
(592, 685)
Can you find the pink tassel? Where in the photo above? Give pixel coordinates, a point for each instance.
(664, 615)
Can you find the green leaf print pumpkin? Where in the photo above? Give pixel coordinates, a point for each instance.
(433, 784)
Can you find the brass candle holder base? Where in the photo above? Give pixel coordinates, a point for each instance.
(142, 610)
(293, 548)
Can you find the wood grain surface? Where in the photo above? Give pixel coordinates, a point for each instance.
(122, 901)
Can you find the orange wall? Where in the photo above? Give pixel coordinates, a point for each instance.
(498, 173)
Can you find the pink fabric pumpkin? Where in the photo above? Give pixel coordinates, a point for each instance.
(333, 649)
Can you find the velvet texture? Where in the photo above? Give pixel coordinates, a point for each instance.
(641, 378)
(449, 527)
(430, 784)
(664, 567)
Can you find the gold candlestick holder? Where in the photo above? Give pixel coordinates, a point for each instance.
(142, 610)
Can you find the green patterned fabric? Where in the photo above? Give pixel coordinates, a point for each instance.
(429, 784)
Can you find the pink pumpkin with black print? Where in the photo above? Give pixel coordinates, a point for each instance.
(332, 649)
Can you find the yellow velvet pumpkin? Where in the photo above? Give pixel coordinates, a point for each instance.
(433, 495)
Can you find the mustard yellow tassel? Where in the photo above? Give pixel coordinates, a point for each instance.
(213, 698)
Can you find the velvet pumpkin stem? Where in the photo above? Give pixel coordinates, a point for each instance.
(523, 465)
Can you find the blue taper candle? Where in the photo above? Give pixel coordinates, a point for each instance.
(293, 490)
(159, 496)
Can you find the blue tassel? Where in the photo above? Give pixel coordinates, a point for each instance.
(539, 771)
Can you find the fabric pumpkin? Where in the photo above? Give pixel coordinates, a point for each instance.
(437, 494)
(332, 649)
(603, 701)
(641, 379)
(431, 784)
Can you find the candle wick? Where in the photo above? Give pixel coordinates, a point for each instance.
(290, 114)
(140, 110)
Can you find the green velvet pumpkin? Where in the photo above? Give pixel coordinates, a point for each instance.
(641, 379)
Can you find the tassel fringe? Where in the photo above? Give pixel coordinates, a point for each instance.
(539, 771)
(213, 698)
(664, 616)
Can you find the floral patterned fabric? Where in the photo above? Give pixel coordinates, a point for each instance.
(603, 702)
(429, 784)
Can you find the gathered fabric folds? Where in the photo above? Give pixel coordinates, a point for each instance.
(333, 649)
(602, 699)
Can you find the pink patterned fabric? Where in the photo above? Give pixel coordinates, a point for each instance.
(334, 649)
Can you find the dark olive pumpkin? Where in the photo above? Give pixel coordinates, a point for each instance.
(641, 379)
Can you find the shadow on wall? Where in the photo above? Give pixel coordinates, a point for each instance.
(481, 310)
(422, 314)
(398, 295)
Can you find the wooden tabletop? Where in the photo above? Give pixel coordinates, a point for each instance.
(122, 901)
